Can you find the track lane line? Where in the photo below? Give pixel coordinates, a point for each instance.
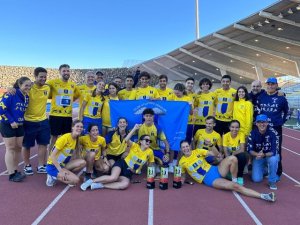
(291, 178)
(292, 129)
(150, 207)
(52, 204)
(296, 153)
(21, 163)
(2, 143)
(248, 210)
(298, 139)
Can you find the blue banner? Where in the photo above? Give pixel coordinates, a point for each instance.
(170, 116)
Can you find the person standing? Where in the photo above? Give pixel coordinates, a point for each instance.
(275, 107)
(126, 92)
(164, 92)
(12, 109)
(36, 124)
(63, 93)
(224, 105)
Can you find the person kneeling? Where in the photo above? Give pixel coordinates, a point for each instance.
(65, 158)
(123, 169)
(194, 163)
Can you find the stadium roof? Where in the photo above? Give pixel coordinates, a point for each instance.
(264, 44)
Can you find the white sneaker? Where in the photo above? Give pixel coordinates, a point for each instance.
(51, 181)
(95, 186)
(86, 184)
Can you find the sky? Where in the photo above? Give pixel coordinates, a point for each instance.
(106, 33)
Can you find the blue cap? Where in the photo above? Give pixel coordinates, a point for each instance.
(272, 80)
(261, 118)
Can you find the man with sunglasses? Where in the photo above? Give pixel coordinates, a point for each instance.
(263, 146)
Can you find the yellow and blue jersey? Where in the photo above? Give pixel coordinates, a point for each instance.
(144, 93)
(195, 165)
(92, 146)
(154, 135)
(93, 108)
(85, 91)
(167, 94)
(231, 144)
(124, 94)
(192, 97)
(224, 104)
(201, 135)
(136, 157)
(204, 103)
(115, 146)
(63, 94)
(65, 146)
(106, 111)
(38, 96)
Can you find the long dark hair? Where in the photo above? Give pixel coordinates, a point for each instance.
(20, 81)
(246, 93)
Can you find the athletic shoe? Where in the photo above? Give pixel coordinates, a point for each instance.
(86, 184)
(41, 169)
(273, 186)
(95, 186)
(240, 181)
(50, 182)
(271, 197)
(28, 170)
(16, 177)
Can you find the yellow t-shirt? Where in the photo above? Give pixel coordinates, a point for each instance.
(106, 111)
(63, 94)
(89, 146)
(152, 132)
(243, 112)
(144, 93)
(115, 146)
(65, 145)
(137, 158)
(93, 106)
(38, 97)
(195, 165)
(84, 91)
(233, 144)
(204, 103)
(167, 94)
(191, 117)
(124, 94)
(224, 104)
(201, 135)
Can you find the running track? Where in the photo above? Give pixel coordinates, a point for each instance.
(31, 202)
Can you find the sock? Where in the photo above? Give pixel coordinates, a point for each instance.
(234, 179)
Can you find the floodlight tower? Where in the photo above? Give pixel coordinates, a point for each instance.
(197, 19)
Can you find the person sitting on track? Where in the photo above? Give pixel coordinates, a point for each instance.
(116, 145)
(65, 158)
(93, 147)
(123, 169)
(193, 162)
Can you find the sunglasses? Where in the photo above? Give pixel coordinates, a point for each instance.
(147, 140)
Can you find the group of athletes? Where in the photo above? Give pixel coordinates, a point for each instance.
(230, 130)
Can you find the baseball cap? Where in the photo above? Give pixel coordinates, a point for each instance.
(261, 118)
(271, 80)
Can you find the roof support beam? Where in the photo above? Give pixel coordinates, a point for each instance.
(219, 65)
(215, 76)
(150, 69)
(245, 60)
(173, 71)
(259, 49)
(247, 29)
(276, 18)
(260, 74)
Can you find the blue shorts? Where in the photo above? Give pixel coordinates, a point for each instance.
(211, 176)
(87, 121)
(52, 170)
(36, 131)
